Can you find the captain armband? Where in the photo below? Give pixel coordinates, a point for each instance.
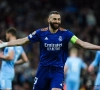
(73, 39)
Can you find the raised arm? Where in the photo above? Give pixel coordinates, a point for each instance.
(87, 45)
(17, 42)
(83, 44)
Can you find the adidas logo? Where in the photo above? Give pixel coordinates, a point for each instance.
(46, 38)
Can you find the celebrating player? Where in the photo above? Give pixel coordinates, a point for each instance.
(53, 52)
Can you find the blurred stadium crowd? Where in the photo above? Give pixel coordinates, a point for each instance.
(82, 17)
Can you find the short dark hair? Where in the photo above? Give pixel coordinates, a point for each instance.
(12, 30)
(54, 12)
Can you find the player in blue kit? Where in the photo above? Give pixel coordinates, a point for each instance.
(9, 58)
(53, 52)
(72, 70)
(96, 62)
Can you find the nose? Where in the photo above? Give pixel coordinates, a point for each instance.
(57, 21)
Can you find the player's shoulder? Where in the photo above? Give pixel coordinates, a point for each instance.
(40, 30)
(44, 29)
(10, 47)
(79, 59)
(63, 29)
(69, 59)
(18, 47)
(98, 52)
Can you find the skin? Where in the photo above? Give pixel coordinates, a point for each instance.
(24, 59)
(10, 56)
(72, 54)
(55, 19)
(91, 68)
(78, 42)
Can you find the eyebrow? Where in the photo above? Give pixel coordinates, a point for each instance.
(56, 18)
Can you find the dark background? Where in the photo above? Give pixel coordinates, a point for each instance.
(82, 17)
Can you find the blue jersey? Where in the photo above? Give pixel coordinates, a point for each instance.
(53, 46)
(96, 62)
(8, 65)
(74, 65)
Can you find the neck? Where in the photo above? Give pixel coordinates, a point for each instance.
(52, 30)
(73, 55)
(12, 38)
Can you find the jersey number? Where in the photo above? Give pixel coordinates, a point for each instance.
(35, 80)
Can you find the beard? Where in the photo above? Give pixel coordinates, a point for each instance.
(53, 26)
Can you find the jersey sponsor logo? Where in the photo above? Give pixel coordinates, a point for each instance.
(52, 47)
(46, 38)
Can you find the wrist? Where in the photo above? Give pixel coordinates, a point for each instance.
(4, 44)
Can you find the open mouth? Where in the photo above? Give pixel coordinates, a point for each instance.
(56, 24)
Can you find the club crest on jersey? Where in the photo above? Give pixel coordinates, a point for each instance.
(60, 38)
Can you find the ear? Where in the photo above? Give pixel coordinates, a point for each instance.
(48, 19)
(10, 34)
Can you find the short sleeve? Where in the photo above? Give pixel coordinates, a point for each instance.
(67, 62)
(19, 50)
(34, 37)
(22, 50)
(73, 39)
(69, 35)
(83, 64)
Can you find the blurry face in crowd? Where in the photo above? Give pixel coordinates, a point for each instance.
(54, 21)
